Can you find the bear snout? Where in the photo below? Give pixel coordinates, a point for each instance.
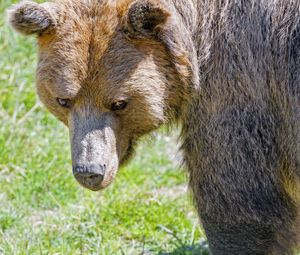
(89, 176)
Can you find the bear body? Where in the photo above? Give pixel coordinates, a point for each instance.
(229, 71)
(241, 134)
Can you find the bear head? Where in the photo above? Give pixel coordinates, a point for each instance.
(110, 70)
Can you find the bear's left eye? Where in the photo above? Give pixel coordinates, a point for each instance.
(120, 105)
(66, 103)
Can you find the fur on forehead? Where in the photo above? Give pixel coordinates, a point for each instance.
(141, 19)
(29, 17)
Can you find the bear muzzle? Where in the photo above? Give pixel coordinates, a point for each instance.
(90, 176)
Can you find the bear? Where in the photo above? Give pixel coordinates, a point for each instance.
(227, 70)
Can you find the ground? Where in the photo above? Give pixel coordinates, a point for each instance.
(43, 210)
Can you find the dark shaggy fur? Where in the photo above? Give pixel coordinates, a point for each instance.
(241, 135)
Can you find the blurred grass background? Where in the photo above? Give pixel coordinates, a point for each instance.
(43, 210)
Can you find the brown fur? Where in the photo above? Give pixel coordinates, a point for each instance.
(241, 132)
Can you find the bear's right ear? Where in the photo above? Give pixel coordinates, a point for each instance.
(32, 18)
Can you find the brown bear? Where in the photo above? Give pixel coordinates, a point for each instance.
(228, 70)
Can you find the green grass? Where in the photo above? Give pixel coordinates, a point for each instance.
(43, 210)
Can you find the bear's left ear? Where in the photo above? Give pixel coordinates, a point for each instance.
(32, 18)
(158, 21)
(145, 18)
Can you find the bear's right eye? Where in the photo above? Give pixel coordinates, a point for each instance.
(66, 103)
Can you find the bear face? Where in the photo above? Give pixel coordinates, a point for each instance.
(111, 71)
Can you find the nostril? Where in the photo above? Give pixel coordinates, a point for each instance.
(89, 169)
(89, 175)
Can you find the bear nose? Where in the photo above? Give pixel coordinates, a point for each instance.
(89, 176)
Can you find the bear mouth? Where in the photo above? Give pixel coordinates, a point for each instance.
(92, 188)
(101, 183)
(129, 152)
